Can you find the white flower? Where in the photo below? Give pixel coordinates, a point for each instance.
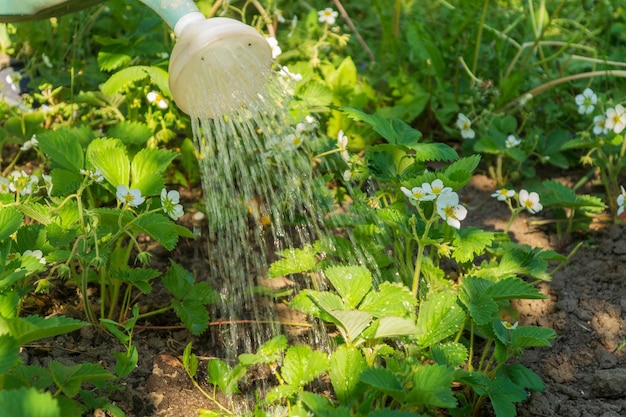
(586, 101)
(342, 144)
(47, 180)
(284, 72)
(37, 254)
(529, 201)
(599, 125)
(293, 141)
(503, 194)
(620, 201)
(157, 98)
(93, 175)
(169, 201)
(509, 326)
(274, 46)
(131, 197)
(46, 60)
(22, 182)
(327, 15)
(525, 99)
(417, 194)
(616, 118)
(512, 142)
(436, 188)
(13, 80)
(29, 144)
(347, 175)
(279, 16)
(465, 126)
(450, 210)
(5, 186)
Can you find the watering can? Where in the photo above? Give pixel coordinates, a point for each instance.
(217, 65)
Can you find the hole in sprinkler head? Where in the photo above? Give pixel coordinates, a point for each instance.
(249, 43)
(201, 58)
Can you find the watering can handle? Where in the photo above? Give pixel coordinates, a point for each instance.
(22, 10)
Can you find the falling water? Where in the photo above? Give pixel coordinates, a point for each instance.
(254, 191)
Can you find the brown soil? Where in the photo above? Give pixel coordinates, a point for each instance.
(586, 306)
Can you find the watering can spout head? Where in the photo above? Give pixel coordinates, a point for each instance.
(218, 65)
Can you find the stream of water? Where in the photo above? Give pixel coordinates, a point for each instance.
(253, 194)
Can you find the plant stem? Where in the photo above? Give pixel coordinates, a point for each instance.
(479, 37)
(420, 257)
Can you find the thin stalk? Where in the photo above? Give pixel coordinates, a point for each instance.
(420, 257)
(545, 87)
(479, 36)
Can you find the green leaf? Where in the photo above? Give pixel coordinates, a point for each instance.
(460, 172)
(110, 60)
(130, 75)
(63, 148)
(394, 326)
(426, 152)
(316, 93)
(148, 168)
(522, 376)
(158, 227)
(138, 277)
(9, 353)
(178, 280)
(480, 305)
(432, 387)
(391, 299)
(10, 221)
(452, 354)
(109, 155)
(346, 365)
(531, 336)
(469, 242)
(270, 352)
(126, 362)
(351, 322)
(344, 78)
(31, 328)
(351, 282)
(386, 412)
(33, 376)
(385, 381)
(28, 402)
(294, 261)
(503, 393)
(130, 132)
(69, 378)
(190, 361)
(65, 182)
(439, 317)
(222, 375)
(193, 314)
(302, 365)
(513, 288)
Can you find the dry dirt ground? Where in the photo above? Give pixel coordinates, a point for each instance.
(585, 375)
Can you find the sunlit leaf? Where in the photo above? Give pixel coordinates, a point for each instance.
(9, 353)
(147, 169)
(346, 365)
(293, 261)
(109, 155)
(394, 326)
(28, 402)
(302, 365)
(351, 282)
(439, 317)
(451, 354)
(10, 221)
(32, 328)
(391, 299)
(469, 242)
